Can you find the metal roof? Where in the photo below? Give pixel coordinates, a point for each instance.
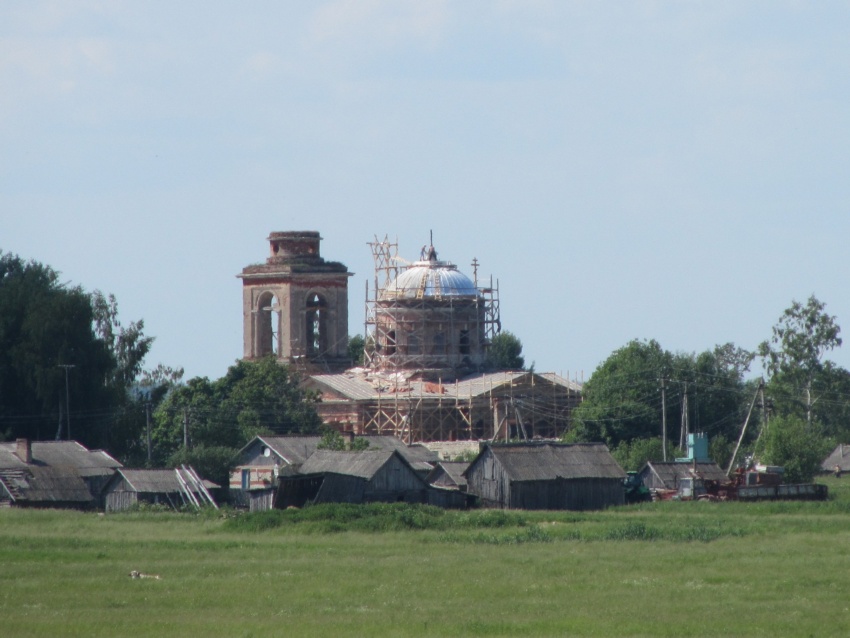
(360, 384)
(547, 461)
(431, 280)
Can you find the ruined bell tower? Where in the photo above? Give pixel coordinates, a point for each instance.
(295, 305)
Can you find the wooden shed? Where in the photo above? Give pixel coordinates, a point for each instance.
(449, 474)
(38, 486)
(174, 488)
(352, 477)
(555, 476)
(666, 476)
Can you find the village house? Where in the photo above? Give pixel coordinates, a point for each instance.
(381, 475)
(554, 476)
(49, 473)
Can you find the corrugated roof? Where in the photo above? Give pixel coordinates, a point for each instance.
(670, 473)
(294, 449)
(45, 485)
(547, 461)
(60, 454)
(364, 464)
(157, 481)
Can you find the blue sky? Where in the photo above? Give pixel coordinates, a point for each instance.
(675, 171)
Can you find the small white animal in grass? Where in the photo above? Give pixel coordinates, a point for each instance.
(136, 574)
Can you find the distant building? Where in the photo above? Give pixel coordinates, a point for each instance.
(667, 476)
(295, 305)
(838, 458)
(174, 488)
(380, 475)
(428, 330)
(51, 471)
(546, 476)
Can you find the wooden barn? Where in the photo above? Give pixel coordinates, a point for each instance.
(352, 477)
(666, 476)
(539, 476)
(44, 487)
(174, 488)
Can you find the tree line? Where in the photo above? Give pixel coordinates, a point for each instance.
(796, 412)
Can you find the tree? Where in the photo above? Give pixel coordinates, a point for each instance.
(622, 400)
(254, 397)
(793, 357)
(791, 443)
(505, 352)
(356, 348)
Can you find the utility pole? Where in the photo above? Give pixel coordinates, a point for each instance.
(186, 429)
(148, 427)
(664, 418)
(67, 397)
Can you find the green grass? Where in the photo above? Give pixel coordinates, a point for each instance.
(660, 569)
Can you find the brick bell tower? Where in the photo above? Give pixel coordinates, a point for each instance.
(295, 305)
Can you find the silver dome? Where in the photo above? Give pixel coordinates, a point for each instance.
(431, 280)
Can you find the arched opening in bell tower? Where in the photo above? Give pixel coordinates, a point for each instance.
(268, 325)
(316, 325)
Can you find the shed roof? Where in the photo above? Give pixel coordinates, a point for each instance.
(670, 473)
(157, 481)
(364, 464)
(547, 461)
(60, 454)
(45, 485)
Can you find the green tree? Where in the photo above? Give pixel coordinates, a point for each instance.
(791, 443)
(505, 352)
(793, 357)
(254, 397)
(356, 348)
(45, 324)
(622, 400)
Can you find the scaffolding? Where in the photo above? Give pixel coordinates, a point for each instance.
(434, 334)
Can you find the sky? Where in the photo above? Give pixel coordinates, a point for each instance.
(674, 171)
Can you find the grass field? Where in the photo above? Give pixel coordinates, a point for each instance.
(661, 569)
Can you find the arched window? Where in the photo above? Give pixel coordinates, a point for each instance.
(268, 325)
(315, 321)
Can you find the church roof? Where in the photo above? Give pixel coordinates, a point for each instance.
(430, 279)
(358, 384)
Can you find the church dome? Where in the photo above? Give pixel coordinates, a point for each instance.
(431, 279)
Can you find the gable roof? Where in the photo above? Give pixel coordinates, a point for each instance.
(364, 464)
(452, 469)
(548, 461)
(840, 456)
(68, 454)
(45, 485)
(671, 472)
(156, 481)
(292, 449)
